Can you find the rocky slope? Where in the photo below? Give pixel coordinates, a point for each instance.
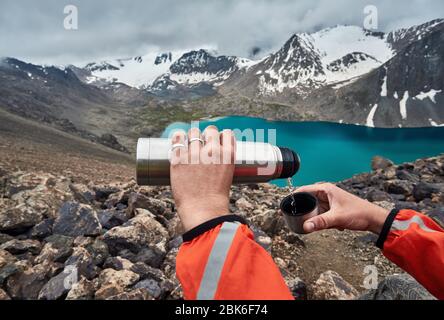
(65, 239)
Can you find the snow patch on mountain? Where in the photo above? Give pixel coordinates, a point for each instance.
(136, 72)
(403, 105)
(371, 115)
(430, 94)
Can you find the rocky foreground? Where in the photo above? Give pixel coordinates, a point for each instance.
(60, 239)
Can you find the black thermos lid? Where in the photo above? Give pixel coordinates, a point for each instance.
(290, 161)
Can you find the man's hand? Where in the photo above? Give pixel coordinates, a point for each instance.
(342, 210)
(201, 174)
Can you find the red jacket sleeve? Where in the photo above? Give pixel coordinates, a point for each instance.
(223, 262)
(415, 243)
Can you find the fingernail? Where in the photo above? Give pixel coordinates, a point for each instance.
(309, 226)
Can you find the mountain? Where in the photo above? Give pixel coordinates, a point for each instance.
(341, 74)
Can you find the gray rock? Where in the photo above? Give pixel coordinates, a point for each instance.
(42, 229)
(437, 215)
(331, 286)
(378, 195)
(21, 246)
(59, 285)
(7, 271)
(19, 218)
(151, 286)
(155, 206)
(398, 187)
(144, 271)
(82, 261)
(82, 193)
(5, 238)
(298, 288)
(111, 218)
(57, 249)
(380, 163)
(4, 295)
(141, 232)
(99, 251)
(118, 263)
(82, 290)
(425, 190)
(113, 282)
(77, 219)
(28, 283)
(103, 192)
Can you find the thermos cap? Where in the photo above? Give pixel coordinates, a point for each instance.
(290, 163)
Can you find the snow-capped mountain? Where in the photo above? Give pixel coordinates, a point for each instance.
(138, 72)
(345, 74)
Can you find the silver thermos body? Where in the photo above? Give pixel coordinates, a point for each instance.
(255, 162)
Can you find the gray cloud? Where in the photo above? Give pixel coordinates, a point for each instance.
(33, 30)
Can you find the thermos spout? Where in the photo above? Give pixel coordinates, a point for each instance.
(255, 162)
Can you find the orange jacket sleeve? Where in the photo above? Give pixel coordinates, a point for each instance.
(220, 260)
(415, 243)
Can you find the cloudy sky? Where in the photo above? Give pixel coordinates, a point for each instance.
(34, 31)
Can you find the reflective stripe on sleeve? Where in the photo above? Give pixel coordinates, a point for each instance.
(403, 225)
(216, 261)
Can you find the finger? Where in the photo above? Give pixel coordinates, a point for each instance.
(228, 142)
(178, 154)
(194, 146)
(211, 135)
(321, 222)
(313, 188)
(211, 149)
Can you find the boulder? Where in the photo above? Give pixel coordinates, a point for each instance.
(111, 218)
(59, 285)
(380, 163)
(7, 271)
(4, 295)
(425, 190)
(98, 250)
(437, 215)
(82, 262)
(77, 219)
(298, 288)
(57, 249)
(155, 206)
(113, 282)
(118, 263)
(142, 232)
(331, 286)
(397, 186)
(151, 286)
(5, 238)
(26, 285)
(42, 229)
(21, 246)
(18, 218)
(6, 258)
(82, 193)
(82, 290)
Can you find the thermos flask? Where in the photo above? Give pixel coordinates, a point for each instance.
(255, 162)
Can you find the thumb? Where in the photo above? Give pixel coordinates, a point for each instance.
(320, 222)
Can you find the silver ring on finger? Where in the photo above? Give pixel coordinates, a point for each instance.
(196, 139)
(177, 145)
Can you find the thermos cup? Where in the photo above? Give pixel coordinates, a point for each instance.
(298, 208)
(255, 162)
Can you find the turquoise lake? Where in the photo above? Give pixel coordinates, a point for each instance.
(333, 152)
